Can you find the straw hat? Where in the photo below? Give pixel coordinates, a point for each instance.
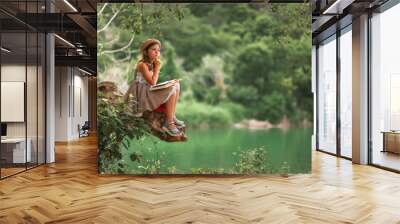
(148, 43)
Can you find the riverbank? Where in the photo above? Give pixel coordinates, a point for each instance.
(258, 124)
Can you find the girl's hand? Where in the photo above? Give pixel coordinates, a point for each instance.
(157, 63)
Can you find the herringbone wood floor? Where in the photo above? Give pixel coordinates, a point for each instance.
(71, 191)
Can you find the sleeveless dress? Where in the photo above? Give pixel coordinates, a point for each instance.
(148, 100)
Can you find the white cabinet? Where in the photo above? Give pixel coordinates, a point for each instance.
(18, 149)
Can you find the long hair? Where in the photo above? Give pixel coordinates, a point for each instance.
(145, 58)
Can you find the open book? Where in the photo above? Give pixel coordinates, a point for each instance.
(164, 85)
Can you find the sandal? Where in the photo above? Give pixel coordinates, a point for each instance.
(171, 129)
(179, 122)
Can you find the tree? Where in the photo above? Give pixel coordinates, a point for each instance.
(120, 25)
(169, 69)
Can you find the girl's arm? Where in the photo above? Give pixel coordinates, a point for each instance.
(150, 78)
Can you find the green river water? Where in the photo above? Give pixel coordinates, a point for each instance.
(214, 149)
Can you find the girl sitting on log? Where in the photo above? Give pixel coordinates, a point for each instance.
(146, 75)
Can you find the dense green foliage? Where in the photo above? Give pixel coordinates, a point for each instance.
(252, 161)
(237, 61)
(116, 124)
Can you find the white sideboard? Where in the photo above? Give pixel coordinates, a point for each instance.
(18, 149)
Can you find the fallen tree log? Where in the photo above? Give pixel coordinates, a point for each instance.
(154, 119)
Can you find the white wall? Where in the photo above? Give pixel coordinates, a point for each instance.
(80, 109)
(62, 81)
(16, 73)
(11, 73)
(71, 94)
(33, 126)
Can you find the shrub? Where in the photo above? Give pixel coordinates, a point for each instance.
(197, 114)
(116, 124)
(252, 161)
(237, 111)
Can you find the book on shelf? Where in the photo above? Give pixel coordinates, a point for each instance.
(164, 85)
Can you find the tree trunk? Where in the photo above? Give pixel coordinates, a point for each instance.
(153, 119)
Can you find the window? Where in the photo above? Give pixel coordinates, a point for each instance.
(22, 76)
(385, 88)
(327, 95)
(346, 92)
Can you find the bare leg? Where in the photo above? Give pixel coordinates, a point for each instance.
(170, 107)
(178, 89)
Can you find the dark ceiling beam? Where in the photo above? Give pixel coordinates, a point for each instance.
(203, 1)
(15, 18)
(230, 1)
(86, 26)
(322, 22)
(88, 70)
(77, 61)
(331, 30)
(337, 7)
(64, 51)
(325, 25)
(62, 6)
(53, 22)
(19, 58)
(91, 5)
(49, 22)
(11, 25)
(81, 21)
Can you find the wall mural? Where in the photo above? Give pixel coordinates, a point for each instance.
(204, 88)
